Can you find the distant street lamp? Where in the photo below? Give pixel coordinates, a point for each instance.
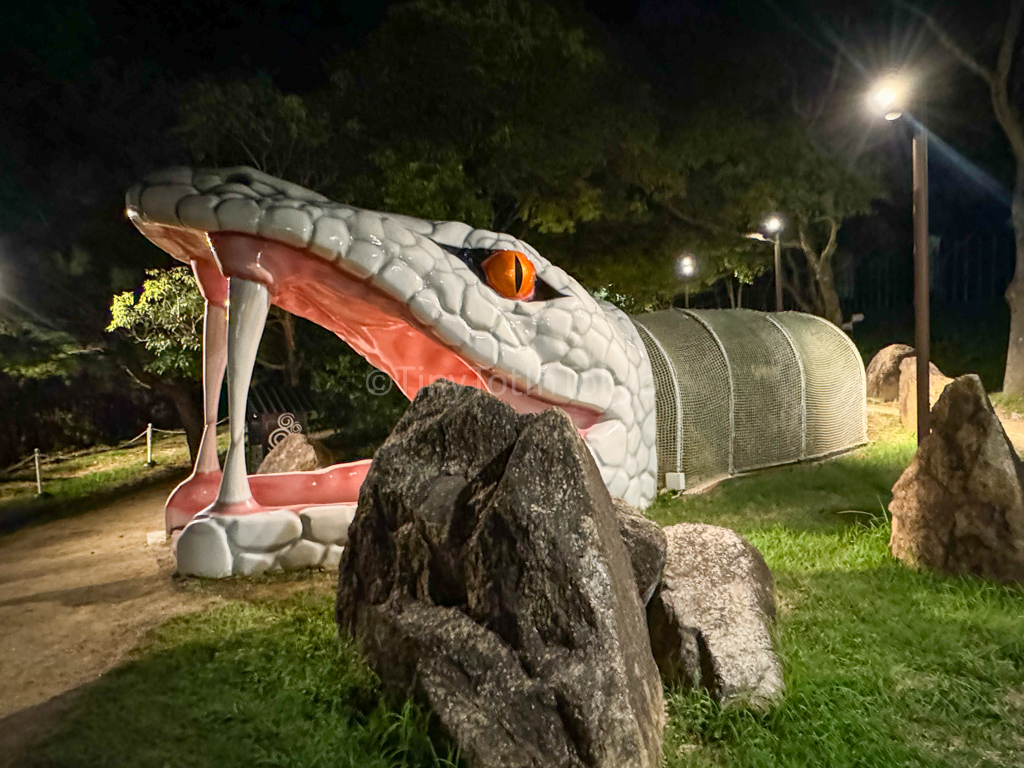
(889, 98)
(773, 225)
(687, 265)
(686, 268)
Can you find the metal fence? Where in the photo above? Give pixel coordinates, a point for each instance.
(738, 390)
(964, 269)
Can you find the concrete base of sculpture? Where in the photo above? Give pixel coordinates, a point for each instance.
(218, 546)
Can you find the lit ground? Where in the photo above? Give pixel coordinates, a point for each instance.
(884, 666)
(77, 594)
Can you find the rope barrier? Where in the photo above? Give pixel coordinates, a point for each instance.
(44, 459)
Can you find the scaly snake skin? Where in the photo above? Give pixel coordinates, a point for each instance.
(568, 350)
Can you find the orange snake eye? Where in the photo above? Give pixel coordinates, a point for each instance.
(511, 274)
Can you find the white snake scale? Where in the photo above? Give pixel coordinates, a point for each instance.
(572, 349)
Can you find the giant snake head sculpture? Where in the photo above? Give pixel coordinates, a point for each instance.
(420, 300)
(423, 300)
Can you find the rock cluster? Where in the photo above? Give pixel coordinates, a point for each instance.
(959, 506)
(711, 616)
(245, 545)
(486, 577)
(646, 544)
(883, 372)
(490, 576)
(295, 453)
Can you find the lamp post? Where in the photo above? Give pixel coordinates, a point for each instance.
(773, 226)
(888, 98)
(686, 267)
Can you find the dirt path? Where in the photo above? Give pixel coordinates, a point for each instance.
(77, 594)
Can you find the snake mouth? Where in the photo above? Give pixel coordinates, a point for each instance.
(404, 293)
(377, 325)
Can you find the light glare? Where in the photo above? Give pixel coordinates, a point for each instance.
(687, 265)
(772, 225)
(889, 96)
(885, 97)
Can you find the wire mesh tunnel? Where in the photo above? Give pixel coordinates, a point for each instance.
(739, 390)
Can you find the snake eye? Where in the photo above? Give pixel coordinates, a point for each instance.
(511, 274)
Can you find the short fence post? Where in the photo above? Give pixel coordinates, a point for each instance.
(149, 444)
(39, 476)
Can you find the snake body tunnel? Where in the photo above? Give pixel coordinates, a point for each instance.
(738, 390)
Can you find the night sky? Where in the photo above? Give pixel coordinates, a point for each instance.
(53, 45)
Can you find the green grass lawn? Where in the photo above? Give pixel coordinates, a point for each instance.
(250, 684)
(884, 666)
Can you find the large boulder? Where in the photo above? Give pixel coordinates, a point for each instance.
(710, 620)
(883, 372)
(295, 453)
(485, 576)
(646, 543)
(937, 382)
(959, 506)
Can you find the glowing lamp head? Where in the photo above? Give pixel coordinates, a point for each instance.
(888, 96)
(885, 97)
(773, 224)
(686, 265)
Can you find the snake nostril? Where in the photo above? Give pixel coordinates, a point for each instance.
(238, 178)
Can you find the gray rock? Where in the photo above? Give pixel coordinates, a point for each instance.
(645, 542)
(485, 576)
(959, 506)
(883, 372)
(295, 453)
(710, 619)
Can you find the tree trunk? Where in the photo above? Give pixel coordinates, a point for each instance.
(189, 411)
(292, 361)
(739, 296)
(830, 308)
(1013, 379)
(732, 293)
(187, 399)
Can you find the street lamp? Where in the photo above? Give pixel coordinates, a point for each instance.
(888, 98)
(773, 225)
(687, 265)
(686, 268)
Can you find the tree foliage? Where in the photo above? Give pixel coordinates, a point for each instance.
(251, 122)
(166, 318)
(515, 115)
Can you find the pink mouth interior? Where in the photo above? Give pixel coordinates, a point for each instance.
(375, 325)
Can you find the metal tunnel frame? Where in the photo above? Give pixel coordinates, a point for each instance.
(739, 390)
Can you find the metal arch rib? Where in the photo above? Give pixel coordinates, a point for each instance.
(732, 392)
(803, 384)
(856, 354)
(647, 336)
